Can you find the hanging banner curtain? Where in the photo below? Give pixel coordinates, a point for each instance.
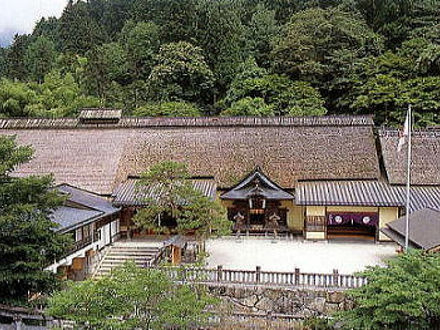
(350, 218)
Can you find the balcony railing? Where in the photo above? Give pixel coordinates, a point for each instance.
(83, 243)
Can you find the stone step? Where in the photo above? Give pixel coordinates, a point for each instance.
(120, 262)
(135, 248)
(113, 257)
(120, 252)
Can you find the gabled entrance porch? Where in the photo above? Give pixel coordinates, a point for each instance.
(255, 205)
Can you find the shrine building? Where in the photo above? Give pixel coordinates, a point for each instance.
(321, 177)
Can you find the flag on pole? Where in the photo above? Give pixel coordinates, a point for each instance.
(405, 133)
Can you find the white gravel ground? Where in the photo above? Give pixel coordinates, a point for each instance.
(286, 255)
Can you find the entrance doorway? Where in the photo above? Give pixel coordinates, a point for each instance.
(351, 225)
(256, 219)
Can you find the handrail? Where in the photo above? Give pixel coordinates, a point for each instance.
(267, 278)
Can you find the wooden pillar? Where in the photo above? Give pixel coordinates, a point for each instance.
(176, 255)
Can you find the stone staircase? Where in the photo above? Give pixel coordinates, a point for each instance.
(121, 252)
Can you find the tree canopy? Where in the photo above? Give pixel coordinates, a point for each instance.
(310, 57)
(28, 242)
(403, 295)
(132, 298)
(175, 196)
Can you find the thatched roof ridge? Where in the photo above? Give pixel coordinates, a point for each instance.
(152, 122)
(425, 156)
(287, 149)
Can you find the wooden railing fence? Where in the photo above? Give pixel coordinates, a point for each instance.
(267, 278)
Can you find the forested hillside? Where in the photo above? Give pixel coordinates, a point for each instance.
(229, 57)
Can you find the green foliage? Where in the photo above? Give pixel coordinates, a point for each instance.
(249, 107)
(403, 295)
(106, 64)
(132, 298)
(168, 109)
(57, 96)
(16, 56)
(262, 30)
(141, 42)
(39, 58)
(78, 31)
(284, 96)
(396, 20)
(181, 73)
(174, 195)
(28, 242)
(15, 99)
(131, 54)
(386, 84)
(313, 38)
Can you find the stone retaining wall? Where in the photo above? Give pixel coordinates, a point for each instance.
(292, 302)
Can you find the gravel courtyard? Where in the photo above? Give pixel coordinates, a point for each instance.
(286, 255)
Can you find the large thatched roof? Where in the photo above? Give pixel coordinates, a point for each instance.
(425, 168)
(97, 157)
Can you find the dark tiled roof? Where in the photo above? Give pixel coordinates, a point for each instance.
(70, 218)
(287, 149)
(364, 193)
(81, 208)
(424, 228)
(267, 188)
(88, 199)
(129, 194)
(398, 238)
(425, 157)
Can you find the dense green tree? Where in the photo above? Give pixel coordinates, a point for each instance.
(110, 15)
(3, 62)
(181, 73)
(403, 295)
(132, 298)
(177, 19)
(111, 47)
(47, 28)
(222, 35)
(78, 31)
(175, 196)
(387, 84)
(314, 37)
(285, 96)
(15, 98)
(28, 242)
(106, 64)
(141, 43)
(59, 96)
(168, 109)
(261, 31)
(39, 58)
(249, 107)
(396, 20)
(16, 55)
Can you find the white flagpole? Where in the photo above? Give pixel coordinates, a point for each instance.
(408, 182)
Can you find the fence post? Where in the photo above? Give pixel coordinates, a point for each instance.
(184, 275)
(296, 280)
(219, 273)
(335, 277)
(257, 274)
